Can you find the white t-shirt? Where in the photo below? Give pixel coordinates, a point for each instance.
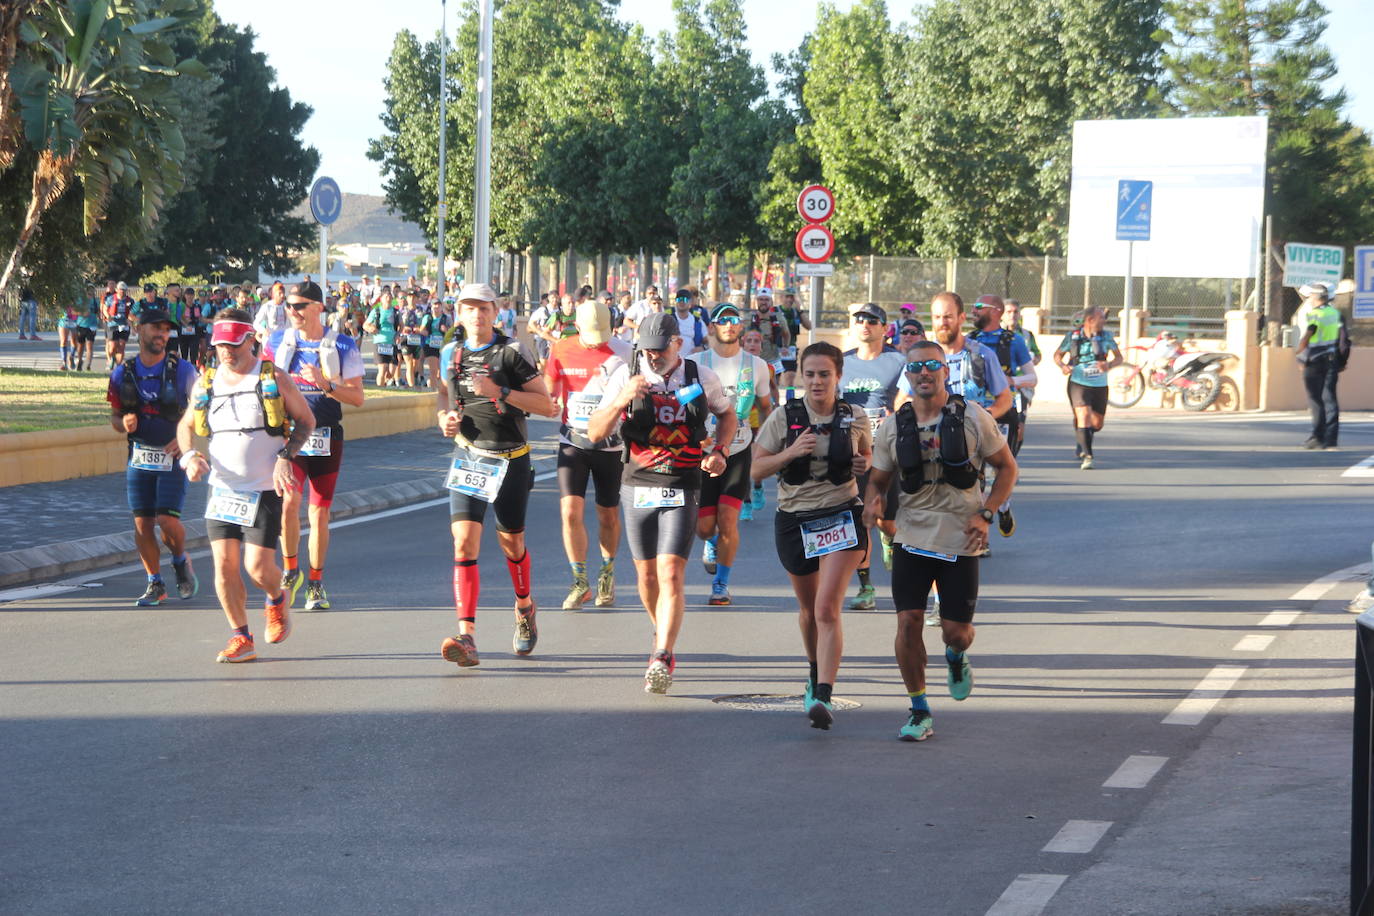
(741, 375)
(716, 400)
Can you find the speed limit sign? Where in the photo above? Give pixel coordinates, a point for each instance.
(815, 244)
(815, 203)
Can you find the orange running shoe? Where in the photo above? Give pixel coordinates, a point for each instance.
(278, 619)
(461, 650)
(240, 649)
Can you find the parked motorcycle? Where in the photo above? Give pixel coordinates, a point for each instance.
(1194, 377)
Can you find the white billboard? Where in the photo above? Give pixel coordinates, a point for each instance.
(1208, 208)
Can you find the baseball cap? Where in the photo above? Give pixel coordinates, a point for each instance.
(121, 285)
(988, 300)
(476, 292)
(657, 331)
(308, 291)
(593, 321)
(723, 308)
(912, 323)
(763, 293)
(150, 287)
(872, 310)
(1320, 290)
(230, 332)
(908, 306)
(154, 316)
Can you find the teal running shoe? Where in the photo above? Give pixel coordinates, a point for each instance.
(918, 727)
(821, 714)
(757, 499)
(959, 678)
(865, 600)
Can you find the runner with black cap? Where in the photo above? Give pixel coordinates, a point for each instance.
(659, 404)
(256, 422)
(1014, 356)
(745, 380)
(118, 313)
(490, 386)
(148, 395)
(327, 368)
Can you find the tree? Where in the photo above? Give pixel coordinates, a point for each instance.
(12, 16)
(1266, 57)
(94, 83)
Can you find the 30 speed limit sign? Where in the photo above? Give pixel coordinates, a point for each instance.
(815, 203)
(815, 244)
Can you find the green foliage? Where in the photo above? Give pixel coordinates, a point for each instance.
(165, 276)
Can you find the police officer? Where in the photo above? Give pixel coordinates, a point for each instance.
(1321, 333)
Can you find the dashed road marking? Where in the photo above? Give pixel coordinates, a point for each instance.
(1028, 895)
(1136, 772)
(1078, 836)
(1317, 588)
(1254, 642)
(1279, 618)
(1363, 469)
(1205, 695)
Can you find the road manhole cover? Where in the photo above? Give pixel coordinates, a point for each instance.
(774, 702)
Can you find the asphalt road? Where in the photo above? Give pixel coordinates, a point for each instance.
(351, 769)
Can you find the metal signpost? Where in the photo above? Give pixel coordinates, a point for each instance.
(1132, 225)
(815, 244)
(326, 203)
(1363, 304)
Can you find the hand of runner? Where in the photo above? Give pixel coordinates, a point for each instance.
(314, 376)
(283, 478)
(861, 464)
(130, 421)
(871, 511)
(448, 422)
(714, 464)
(635, 386)
(484, 387)
(977, 531)
(197, 468)
(805, 444)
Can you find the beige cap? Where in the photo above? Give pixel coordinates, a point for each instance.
(593, 322)
(477, 292)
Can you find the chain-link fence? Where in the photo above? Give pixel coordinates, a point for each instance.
(9, 311)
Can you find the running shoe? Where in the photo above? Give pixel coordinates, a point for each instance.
(153, 595)
(746, 512)
(187, 583)
(605, 585)
(1312, 443)
(526, 631)
(887, 548)
(1360, 603)
(461, 650)
(316, 599)
(919, 726)
(1005, 523)
(658, 677)
(708, 556)
(278, 619)
(291, 584)
(959, 678)
(720, 595)
(240, 649)
(933, 613)
(821, 714)
(757, 499)
(1087, 464)
(865, 600)
(578, 593)
(806, 694)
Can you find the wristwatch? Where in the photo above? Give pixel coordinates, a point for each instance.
(505, 392)
(284, 453)
(985, 513)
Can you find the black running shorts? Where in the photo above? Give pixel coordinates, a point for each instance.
(787, 536)
(578, 465)
(731, 488)
(264, 531)
(664, 530)
(1090, 396)
(912, 576)
(511, 500)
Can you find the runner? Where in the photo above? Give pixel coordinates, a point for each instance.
(245, 406)
(751, 341)
(795, 319)
(271, 315)
(635, 314)
(685, 312)
(819, 537)
(148, 395)
(66, 336)
(872, 373)
(411, 340)
(1011, 319)
(769, 323)
(382, 323)
(327, 369)
(1014, 356)
(935, 446)
(434, 326)
(659, 403)
(910, 331)
(576, 374)
(491, 385)
(1085, 355)
(87, 322)
(745, 380)
(118, 309)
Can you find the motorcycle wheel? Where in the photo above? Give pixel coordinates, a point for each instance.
(1125, 385)
(1228, 398)
(1202, 393)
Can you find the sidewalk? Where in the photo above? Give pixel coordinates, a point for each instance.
(73, 525)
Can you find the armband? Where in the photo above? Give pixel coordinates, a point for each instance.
(187, 456)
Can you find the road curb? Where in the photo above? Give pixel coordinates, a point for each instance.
(35, 564)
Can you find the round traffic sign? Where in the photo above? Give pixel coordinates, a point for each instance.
(815, 244)
(326, 201)
(815, 203)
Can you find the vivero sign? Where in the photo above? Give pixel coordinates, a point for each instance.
(1304, 263)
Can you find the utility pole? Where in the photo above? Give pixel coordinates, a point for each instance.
(443, 130)
(481, 257)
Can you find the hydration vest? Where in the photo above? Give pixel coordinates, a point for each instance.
(168, 403)
(1003, 350)
(640, 418)
(457, 371)
(1078, 338)
(273, 410)
(329, 351)
(959, 471)
(840, 458)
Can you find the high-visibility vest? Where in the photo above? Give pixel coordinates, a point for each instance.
(1328, 330)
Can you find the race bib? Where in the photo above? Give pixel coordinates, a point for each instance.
(827, 535)
(1004, 429)
(477, 477)
(233, 507)
(659, 498)
(384, 349)
(777, 366)
(414, 340)
(147, 458)
(121, 328)
(436, 341)
(787, 353)
(742, 434)
(875, 416)
(581, 406)
(173, 333)
(317, 446)
(1091, 370)
(916, 551)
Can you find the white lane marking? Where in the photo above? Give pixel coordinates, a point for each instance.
(1255, 642)
(1078, 836)
(1205, 695)
(1318, 588)
(1363, 469)
(1135, 772)
(1279, 618)
(1028, 895)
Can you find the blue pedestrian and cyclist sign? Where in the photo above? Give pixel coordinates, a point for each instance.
(1133, 210)
(325, 200)
(1363, 305)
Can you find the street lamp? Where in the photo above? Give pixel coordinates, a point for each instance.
(481, 258)
(443, 131)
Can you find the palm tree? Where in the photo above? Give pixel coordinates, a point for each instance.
(94, 83)
(12, 17)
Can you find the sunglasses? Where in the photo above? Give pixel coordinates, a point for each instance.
(728, 319)
(864, 319)
(911, 333)
(929, 365)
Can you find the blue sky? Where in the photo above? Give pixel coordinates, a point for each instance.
(343, 83)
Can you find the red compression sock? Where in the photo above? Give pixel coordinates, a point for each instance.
(520, 575)
(467, 583)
